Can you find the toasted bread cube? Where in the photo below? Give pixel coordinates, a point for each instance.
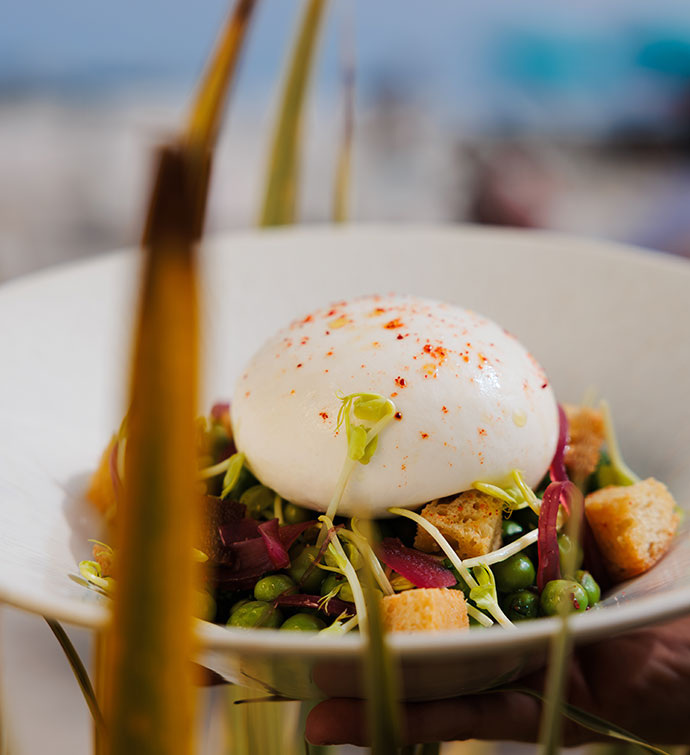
(633, 525)
(425, 609)
(101, 492)
(105, 558)
(585, 438)
(471, 522)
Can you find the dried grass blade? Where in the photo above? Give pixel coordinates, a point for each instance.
(381, 677)
(207, 112)
(149, 700)
(281, 186)
(341, 189)
(79, 671)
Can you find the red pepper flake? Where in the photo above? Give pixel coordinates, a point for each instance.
(307, 319)
(444, 409)
(304, 340)
(400, 381)
(393, 324)
(329, 353)
(246, 395)
(427, 348)
(300, 364)
(398, 415)
(399, 336)
(331, 313)
(292, 392)
(481, 430)
(424, 435)
(545, 385)
(323, 416)
(403, 467)
(394, 394)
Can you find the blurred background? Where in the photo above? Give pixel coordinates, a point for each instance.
(568, 116)
(573, 117)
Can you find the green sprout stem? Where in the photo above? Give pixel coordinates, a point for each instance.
(369, 556)
(624, 475)
(348, 570)
(494, 557)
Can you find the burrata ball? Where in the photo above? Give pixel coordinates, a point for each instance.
(471, 402)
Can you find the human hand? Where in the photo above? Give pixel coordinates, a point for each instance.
(639, 681)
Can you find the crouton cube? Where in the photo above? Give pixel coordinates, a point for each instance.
(101, 492)
(425, 609)
(105, 558)
(471, 522)
(585, 439)
(633, 525)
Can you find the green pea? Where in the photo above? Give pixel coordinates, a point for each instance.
(299, 566)
(254, 614)
(521, 605)
(303, 622)
(345, 592)
(570, 556)
(259, 501)
(563, 593)
(239, 604)
(294, 514)
(352, 554)
(245, 481)
(331, 582)
(515, 573)
(270, 587)
(511, 530)
(590, 586)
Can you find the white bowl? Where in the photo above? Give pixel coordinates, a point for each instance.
(594, 314)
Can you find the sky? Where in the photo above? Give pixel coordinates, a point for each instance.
(500, 60)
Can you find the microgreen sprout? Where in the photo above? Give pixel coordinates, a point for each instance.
(618, 470)
(479, 616)
(485, 596)
(496, 492)
(91, 572)
(340, 625)
(517, 496)
(278, 509)
(367, 553)
(232, 473)
(364, 416)
(336, 550)
(494, 557)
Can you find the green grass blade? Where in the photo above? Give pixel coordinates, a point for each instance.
(280, 196)
(341, 189)
(590, 721)
(79, 671)
(381, 677)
